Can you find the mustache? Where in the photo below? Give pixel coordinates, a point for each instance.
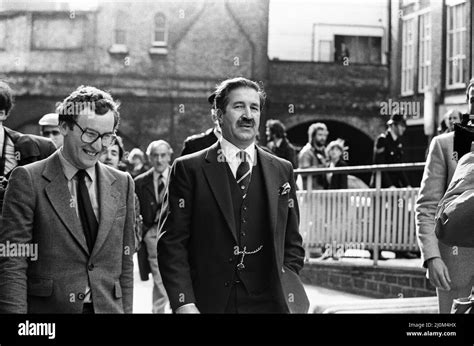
(245, 121)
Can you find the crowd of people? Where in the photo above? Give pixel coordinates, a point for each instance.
(88, 208)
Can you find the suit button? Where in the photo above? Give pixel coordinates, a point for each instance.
(90, 267)
(81, 296)
(243, 234)
(245, 208)
(244, 221)
(226, 284)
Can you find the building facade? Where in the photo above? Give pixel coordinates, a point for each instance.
(431, 62)
(161, 59)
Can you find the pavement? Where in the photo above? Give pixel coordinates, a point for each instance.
(142, 294)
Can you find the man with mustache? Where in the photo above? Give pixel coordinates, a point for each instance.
(79, 212)
(230, 240)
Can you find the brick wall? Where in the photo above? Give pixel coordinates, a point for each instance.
(376, 282)
(308, 91)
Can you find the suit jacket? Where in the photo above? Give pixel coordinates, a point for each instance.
(38, 210)
(199, 232)
(439, 170)
(145, 191)
(454, 215)
(199, 142)
(30, 148)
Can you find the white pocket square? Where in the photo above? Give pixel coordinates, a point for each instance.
(284, 189)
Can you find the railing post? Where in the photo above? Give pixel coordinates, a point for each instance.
(378, 209)
(310, 225)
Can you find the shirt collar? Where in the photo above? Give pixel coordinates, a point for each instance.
(164, 174)
(70, 170)
(230, 151)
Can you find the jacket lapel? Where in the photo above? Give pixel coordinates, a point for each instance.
(269, 169)
(216, 175)
(107, 205)
(58, 194)
(149, 185)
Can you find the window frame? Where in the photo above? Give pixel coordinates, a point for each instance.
(154, 42)
(408, 80)
(425, 46)
(450, 56)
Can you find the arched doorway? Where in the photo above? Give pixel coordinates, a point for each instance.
(360, 145)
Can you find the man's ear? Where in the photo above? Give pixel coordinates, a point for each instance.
(219, 116)
(64, 128)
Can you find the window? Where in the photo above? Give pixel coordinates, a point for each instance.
(120, 33)
(3, 33)
(424, 56)
(456, 45)
(160, 34)
(407, 55)
(358, 49)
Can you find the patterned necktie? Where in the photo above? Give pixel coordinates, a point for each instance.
(159, 196)
(243, 172)
(86, 213)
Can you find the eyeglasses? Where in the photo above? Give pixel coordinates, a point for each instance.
(90, 136)
(49, 133)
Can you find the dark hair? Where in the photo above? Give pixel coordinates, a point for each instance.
(87, 97)
(276, 128)
(220, 98)
(471, 85)
(119, 143)
(6, 97)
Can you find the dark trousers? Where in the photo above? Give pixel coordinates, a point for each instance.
(241, 302)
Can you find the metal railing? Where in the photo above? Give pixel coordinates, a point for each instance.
(374, 218)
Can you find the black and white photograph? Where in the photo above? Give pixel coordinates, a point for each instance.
(237, 160)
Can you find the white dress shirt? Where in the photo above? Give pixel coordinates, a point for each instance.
(230, 151)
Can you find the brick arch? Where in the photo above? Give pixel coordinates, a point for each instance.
(370, 125)
(358, 133)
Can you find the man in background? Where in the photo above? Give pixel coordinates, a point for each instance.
(49, 128)
(313, 154)
(203, 140)
(16, 149)
(278, 143)
(388, 149)
(150, 188)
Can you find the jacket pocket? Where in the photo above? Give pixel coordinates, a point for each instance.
(118, 290)
(40, 287)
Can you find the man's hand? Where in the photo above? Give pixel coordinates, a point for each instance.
(187, 309)
(438, 273)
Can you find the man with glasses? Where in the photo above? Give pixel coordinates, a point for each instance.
(49, 124)
(80, 215)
